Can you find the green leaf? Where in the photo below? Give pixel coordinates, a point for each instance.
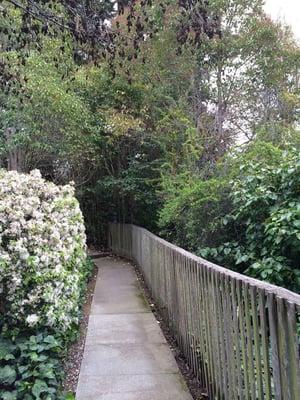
(69, 396)
(242, 259)
(27, 375)
(47, 371)
(39, 387)
(51, 342)
(9, 395)
(23, 368)
(256, 265)
(7, 375)
(6, 350)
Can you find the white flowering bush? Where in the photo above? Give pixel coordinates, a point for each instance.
(42, 252)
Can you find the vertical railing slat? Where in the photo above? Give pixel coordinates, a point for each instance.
(265, 346)
(273, 323)
(293, 348)
(257, 343)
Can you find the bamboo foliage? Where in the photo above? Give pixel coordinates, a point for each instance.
(238, 334)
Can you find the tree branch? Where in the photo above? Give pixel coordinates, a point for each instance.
(43, 15)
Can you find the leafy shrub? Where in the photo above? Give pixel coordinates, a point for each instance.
(30, 367)
(42, 252)
(264, 222)
(43, 276)
(191, 210)
(246, 216)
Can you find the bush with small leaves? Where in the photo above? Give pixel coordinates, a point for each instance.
(42, 252)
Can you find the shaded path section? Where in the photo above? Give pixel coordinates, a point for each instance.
(126, 356)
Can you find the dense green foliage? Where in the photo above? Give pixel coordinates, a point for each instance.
(191, 131)
(262, 230)
(30, 367)
(245, 216)
(192, 135)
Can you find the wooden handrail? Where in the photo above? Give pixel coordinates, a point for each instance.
(238, 334)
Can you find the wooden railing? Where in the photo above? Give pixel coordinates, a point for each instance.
(238, 334)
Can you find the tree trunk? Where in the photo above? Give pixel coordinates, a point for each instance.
(15, 156)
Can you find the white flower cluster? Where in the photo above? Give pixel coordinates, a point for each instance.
(42, 251)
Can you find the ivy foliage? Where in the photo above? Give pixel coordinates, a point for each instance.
(30, 367)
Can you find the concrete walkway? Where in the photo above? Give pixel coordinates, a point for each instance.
(126, 356)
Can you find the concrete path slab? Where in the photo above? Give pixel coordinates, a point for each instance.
(116, 359)
(117, 290)
(135, 387)
(124, 328)
(126, 356)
